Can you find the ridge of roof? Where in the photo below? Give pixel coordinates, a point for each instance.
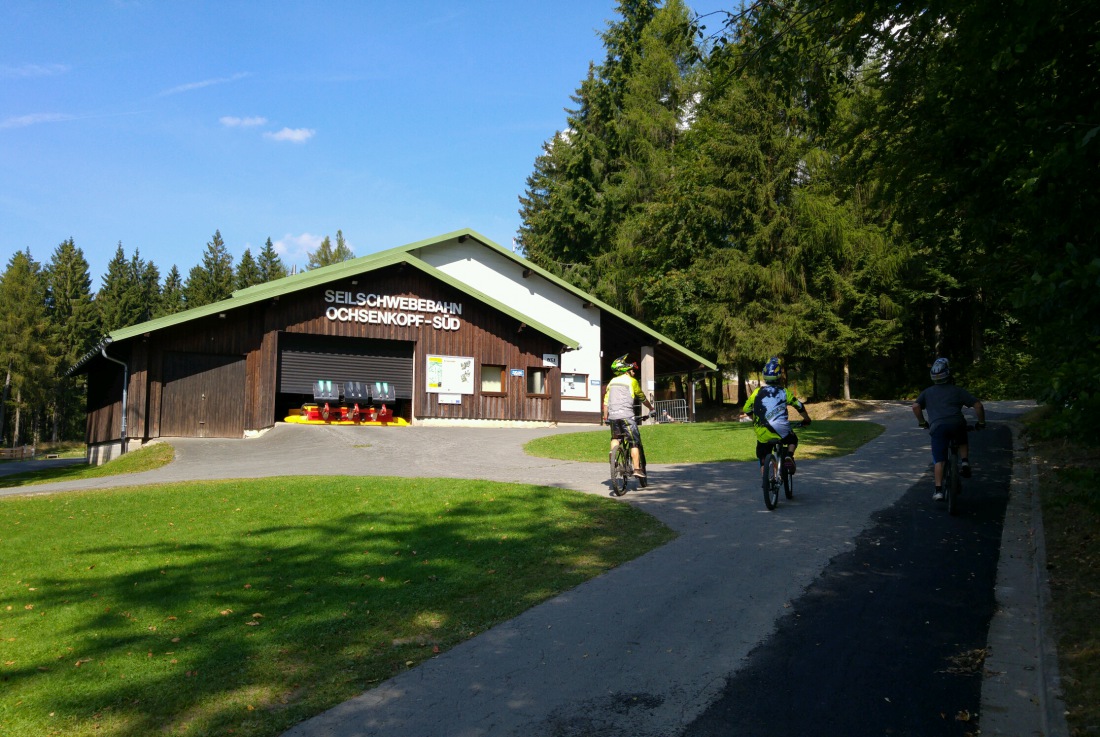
(334, 272)
(564, 285)
(399, 254)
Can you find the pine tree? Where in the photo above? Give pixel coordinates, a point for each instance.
(121, 300)
(248, 272)
(74, 321)
(326, 255)
(28, 361)
(342, 252)
(171, 294)
(213, 280)
(270, 265)
(593, 180)
(148, 277)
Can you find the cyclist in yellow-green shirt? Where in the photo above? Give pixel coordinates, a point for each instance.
(618, 407)
(768, 408)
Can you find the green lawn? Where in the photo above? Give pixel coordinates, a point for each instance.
(708, 442)
(245, 607)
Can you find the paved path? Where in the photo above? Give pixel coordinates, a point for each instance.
(643, 649)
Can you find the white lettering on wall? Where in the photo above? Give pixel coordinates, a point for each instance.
(386, 309)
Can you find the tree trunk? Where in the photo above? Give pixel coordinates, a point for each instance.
(15, 420)
(937, 327)
(847, 379)
(4, 399)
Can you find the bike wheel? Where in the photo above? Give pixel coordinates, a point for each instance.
(618, 471)
(953, 485)
(770, 482)
(643, 481)
(788, 484)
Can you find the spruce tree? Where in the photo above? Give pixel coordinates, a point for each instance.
(148, 278)
(248, 271)
(121, 300)
(213, 280)
(270, 265)
(28, 359)
(326, 255)
(74, 325)
(171, 294)
(342, 251)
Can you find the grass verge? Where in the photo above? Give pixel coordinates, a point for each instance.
(245, 607)
(144, 459)
(708, 442)
(1069, 477)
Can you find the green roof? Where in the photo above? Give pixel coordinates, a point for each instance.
(399, 255)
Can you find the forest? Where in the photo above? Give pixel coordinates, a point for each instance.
(857, 186)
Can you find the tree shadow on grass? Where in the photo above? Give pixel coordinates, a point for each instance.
(270, 610)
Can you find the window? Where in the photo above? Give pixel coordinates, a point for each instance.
(537, 384)
(492, 379)
(574, 386)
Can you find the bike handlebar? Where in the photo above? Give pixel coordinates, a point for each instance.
(976, 426)
(637, 418)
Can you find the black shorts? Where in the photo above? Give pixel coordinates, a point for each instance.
(763, 449)
(620, 428)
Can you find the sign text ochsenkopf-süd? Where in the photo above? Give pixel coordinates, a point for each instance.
(387, 309)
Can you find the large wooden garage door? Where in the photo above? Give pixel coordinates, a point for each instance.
(203, 396)
(304, 359)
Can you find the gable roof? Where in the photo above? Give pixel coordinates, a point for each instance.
(657, 337)
(365, 264)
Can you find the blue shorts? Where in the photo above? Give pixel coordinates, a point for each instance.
(942, 435)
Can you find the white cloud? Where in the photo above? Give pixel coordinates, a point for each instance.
(204, 83)
(295, 135)
(230, 121)
(295, 249)
(22, 121)
(32, 70)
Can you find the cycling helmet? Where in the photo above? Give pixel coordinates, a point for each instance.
(621, 365)
(772, 371)
(941, 370)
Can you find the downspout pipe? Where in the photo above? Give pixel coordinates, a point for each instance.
(125, 384)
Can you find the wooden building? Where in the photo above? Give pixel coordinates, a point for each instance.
(459, 327)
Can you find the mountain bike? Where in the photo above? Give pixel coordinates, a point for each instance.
(622, 466)
(776, 475)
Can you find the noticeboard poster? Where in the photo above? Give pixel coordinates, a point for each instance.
(450, 375)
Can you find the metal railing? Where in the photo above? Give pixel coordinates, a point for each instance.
(671, 410)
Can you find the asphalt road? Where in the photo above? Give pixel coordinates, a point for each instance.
(890, 637)
(851, 609)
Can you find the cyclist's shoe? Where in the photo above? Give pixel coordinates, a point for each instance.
(639, 473)
(788, 465)
(964, 469)
(937, 496)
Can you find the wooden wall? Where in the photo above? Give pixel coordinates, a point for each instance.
(251, 333)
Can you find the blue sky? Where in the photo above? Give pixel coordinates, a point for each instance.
(157, 122)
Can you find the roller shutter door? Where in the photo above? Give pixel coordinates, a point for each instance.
(304, 359)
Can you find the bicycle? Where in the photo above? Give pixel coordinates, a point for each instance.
(622, 465)
(952, 476)
(775, 475)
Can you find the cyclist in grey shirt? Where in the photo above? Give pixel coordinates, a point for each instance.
(944, 402)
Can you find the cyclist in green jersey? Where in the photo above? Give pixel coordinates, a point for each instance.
(767, 406)
(618, 406)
